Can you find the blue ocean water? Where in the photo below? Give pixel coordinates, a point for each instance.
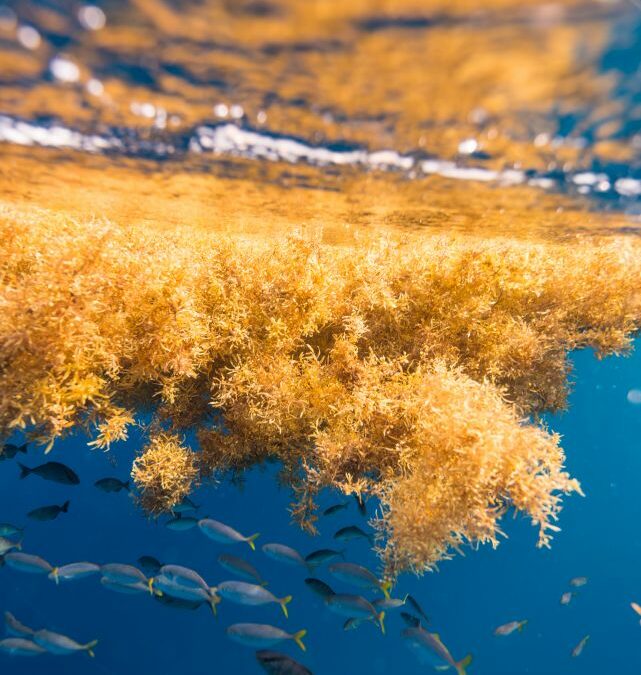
(466, 599)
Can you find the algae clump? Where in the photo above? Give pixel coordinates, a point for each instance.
(412, 370)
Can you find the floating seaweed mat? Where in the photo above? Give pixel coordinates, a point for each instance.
(411, 370)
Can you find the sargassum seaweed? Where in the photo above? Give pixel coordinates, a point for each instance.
(411, 370)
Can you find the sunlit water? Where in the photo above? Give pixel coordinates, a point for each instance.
(262, 117)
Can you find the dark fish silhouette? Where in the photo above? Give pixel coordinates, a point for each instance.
(150, 564)
(112, 485)
(45, 513)
(413, 603)
(53, 471)
(276, 663)
(319, 587)
(323, 555)
(9, 450)
(352, 532)
(178, 603)
(331, 510)
(240, 568)
(411, 620)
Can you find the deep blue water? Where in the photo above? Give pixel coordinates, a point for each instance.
(465, 600)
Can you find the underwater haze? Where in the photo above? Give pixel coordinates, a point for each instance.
(273, 256)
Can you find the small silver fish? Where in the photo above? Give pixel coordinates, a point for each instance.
(359, 576)
(319, 587)
(167, 586)
(355, 607)
(330, 511)
(224, 534)
(389, 603)
(52, 471)
(20, 647)
(352, 532)
(184, 576)
(263, 635)
(275, 663)
(431, 647)
(323, 555)
(15, 627)
(9, 530)
(45, 513)
(566, 598)
(25, 562)
(112, 485)
(284, 554)
(510, 627)
(123, 574)
(56, 643)
(244, 593)
(579, 648)
(73, 571)
(181, 523)
(577, 582)
(7, 545)
(240, 567)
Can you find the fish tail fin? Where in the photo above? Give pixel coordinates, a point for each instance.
(24, 470)
(19, 545)
(462, 665)
(23, 448)
(65, 507)
(385, 587)
(283, 605)
(381, 622)
(252, 539)
(90, 647)
(522, 626)
(54, 574)
(213, 602)
(150, 586)
(298, 639)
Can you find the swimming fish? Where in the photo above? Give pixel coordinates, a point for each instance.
(566, 598)
(330, 511)
(579, 648)
(577, 582)
(263, 635)
(181, 523)
(360, 576)
(112, 485)
(168, 586)
(354, 607)
(389, 603)
(9, 530)
(15, 627)
(636, 607)
(510, 627)
(184, 506)
(20, 647)
(123, 574)
(275, 663)
(56, 643)
(52, 471)
(150, 564)
(178, 603)
(243, 593)
(45, 513)
(133, 588)
(184, 576)
(73, 571)
(352, 532)
(240, 567)
(224, 534)
(322, 556)
(7, 545)
(24, 562)
(319, 587)
(9, 450)
(284, 554)
(411, 620)
(413, 603)
(431, 647)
